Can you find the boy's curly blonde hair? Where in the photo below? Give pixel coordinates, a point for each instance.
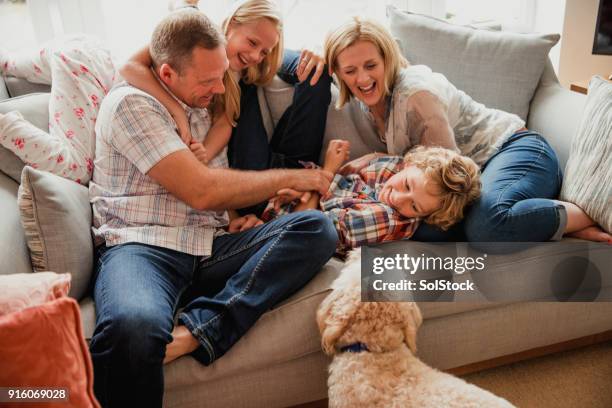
(455, 177)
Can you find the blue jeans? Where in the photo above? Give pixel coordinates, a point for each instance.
(139, 287)
(518, 185)
(298, 135)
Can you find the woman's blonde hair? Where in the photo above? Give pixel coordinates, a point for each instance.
(456, 179)
(261, 74)
(358, 29)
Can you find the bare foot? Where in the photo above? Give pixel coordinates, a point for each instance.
(182, 343)
(592, 233)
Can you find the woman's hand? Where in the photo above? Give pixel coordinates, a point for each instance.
(244, 223)
(355, 166)
(308, 61)
(338, 151)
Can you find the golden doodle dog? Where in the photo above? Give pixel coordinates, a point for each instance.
(373, 344)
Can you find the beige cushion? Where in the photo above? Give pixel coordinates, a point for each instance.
(588, 174)
(35, 109)
(22, 290)
(56, 217)
(498, 69)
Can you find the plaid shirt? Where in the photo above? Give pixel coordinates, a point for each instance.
(352, 205)
(133, 133)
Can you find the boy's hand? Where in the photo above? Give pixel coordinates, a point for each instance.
(182, 124)
(244, 223)
(200, 152)
(355, 166)
(337, 153)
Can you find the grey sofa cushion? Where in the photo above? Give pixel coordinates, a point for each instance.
(499, 69)
(588, 174)
(56, 217)
(35, 109)
(14, 256)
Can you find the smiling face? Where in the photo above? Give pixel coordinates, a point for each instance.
(362, 68)
(410, 193)
(249, 43)
(200, 79)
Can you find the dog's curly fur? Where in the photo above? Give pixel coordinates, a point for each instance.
(388, 374)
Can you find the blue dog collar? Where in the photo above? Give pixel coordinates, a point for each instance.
(355, 348)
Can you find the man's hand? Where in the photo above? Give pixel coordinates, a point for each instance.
(337, 153)
(311, 180)
(199, 151)
(244, 223)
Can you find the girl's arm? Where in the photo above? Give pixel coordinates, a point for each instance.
(137, 71)
(218, 136)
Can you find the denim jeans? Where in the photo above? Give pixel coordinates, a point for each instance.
(518, 185)
(298, 135)
(138, 288)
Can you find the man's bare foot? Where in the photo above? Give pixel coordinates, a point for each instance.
(182, 343)
(592, 233)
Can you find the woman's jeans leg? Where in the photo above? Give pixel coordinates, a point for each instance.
(298, 136)
(251, 271)
(518, 185)
(136, 291)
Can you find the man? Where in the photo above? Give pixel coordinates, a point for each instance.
(158, 211)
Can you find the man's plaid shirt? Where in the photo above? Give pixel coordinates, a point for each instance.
(133, 133)
(352, 205)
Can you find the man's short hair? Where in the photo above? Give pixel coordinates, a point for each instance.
(178, 34)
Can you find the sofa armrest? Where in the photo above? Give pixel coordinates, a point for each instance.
(556, 112)
(3, 91)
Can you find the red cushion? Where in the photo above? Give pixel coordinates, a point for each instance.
(43, 346)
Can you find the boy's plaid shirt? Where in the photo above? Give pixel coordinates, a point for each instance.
(353, 206)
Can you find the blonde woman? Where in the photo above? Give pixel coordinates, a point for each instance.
(411, 105)
(254, 33)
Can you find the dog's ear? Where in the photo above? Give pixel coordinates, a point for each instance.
(413, 320)
(333, 318)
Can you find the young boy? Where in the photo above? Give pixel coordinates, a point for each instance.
(386, 199)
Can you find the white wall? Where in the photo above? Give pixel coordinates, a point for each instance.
(577, 63)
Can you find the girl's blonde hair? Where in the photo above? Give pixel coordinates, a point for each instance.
(357, 29)
(455, 177)
(261, 74)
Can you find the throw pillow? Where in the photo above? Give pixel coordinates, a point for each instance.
(588, 174)
(44, 347)
(34, 109)
(56, 217)
(22, 290)
(498, 69)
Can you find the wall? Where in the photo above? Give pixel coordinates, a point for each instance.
(576, 62)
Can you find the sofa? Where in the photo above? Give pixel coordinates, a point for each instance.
(279, 362)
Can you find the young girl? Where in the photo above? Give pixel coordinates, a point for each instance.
(386, 199)
(254, 33)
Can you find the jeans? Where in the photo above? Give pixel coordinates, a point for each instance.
(518, 185)
(138, 288)
(299, 132)
(298, 135)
